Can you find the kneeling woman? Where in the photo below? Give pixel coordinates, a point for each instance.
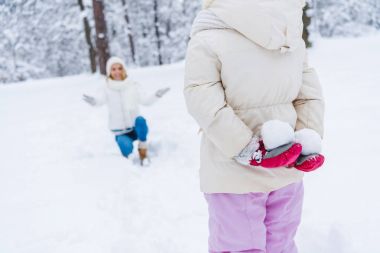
(123, 98)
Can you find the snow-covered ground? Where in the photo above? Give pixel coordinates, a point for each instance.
(64, 187)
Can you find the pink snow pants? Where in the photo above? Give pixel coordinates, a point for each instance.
(255, 222)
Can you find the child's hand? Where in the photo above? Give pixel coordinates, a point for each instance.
(310, 158)
(255, 154)
(276, 149)
(88, 99)
(308, 163)
(250, 152)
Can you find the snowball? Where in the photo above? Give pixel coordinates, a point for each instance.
(276, 133)
(310, 140)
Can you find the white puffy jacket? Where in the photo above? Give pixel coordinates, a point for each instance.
(123, 99)
(246, 64)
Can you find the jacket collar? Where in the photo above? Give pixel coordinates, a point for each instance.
(118, 85)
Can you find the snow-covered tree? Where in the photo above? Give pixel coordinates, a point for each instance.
(346, 17)
(306, 18)
(102, 48)
(88, 35)
(154, 42)
(40, 39)
(128, 29)
(45, 38)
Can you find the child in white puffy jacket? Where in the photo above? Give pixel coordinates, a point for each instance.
(260, 105)
(123, 97)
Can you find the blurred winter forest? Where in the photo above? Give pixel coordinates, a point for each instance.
(47, 38)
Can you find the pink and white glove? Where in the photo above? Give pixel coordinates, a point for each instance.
(276, 149)
(310, 158)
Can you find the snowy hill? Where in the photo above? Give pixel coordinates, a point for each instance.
(65, 188)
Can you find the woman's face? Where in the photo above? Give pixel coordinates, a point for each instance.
(118, 72)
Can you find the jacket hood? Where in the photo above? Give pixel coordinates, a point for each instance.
(207, 20)
(272, 24)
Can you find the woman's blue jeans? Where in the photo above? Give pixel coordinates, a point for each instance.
(139, 132)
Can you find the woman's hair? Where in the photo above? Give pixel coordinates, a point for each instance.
(115, 60)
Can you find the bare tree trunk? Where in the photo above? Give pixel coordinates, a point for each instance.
(87, 31)
(168, 20)
(157, 27)
(101, 35)
(130, 36)
(306, 22)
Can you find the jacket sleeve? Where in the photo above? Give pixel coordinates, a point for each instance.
(206, 100)
(144, 99)
(100, 97)
(309, 103)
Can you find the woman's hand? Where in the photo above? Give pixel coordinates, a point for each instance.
(89, 100)
(161, 92)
